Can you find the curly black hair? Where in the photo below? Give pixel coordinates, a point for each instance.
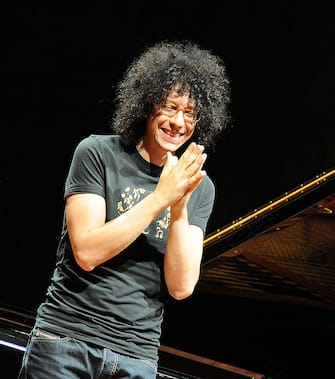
(161, 67)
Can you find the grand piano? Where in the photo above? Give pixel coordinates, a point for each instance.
(265, 303)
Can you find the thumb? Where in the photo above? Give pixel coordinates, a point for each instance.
(171, 160)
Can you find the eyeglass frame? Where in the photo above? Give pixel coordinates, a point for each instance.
(171, 110)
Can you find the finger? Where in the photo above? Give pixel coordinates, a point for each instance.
(195, 180)
(191, 154)
(196, 166)
(174, 160)
(170, 160)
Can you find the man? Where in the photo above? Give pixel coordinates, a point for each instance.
(137, 203)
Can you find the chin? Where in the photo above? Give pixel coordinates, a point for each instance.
(172, 145)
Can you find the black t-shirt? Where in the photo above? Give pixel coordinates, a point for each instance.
(119, 304)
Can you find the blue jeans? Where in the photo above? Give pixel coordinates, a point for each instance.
(50, 356)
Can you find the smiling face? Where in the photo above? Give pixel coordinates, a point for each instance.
(170, 125)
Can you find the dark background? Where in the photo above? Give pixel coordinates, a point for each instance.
(58, 63)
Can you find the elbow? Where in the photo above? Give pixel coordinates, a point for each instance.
(181, 289)
(181, 294)
(86, 267)
(83, 261)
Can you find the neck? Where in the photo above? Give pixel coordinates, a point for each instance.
(155, 157)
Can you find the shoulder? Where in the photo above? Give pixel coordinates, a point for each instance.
(205, 192)
(99, 142)
(208, 184)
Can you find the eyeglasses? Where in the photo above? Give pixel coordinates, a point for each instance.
(171, 110)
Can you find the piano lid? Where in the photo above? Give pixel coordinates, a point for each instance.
(284, 251)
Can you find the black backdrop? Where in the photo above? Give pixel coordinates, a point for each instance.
(58, 63)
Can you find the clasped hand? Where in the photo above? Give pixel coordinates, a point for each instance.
(180, 177)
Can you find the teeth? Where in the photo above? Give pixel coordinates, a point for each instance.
(171, 134)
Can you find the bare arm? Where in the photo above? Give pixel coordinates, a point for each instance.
(95, 241)
(185, 242)
(183, 257)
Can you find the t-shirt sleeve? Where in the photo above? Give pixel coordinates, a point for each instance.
(201, 204)
(86, 172)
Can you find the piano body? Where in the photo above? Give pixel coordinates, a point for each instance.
(265, 303)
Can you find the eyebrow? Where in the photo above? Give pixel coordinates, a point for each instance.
(188, 106)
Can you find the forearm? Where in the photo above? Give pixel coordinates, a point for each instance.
(182, 257)
(103, 242)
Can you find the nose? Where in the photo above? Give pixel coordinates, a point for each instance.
(178, 119)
